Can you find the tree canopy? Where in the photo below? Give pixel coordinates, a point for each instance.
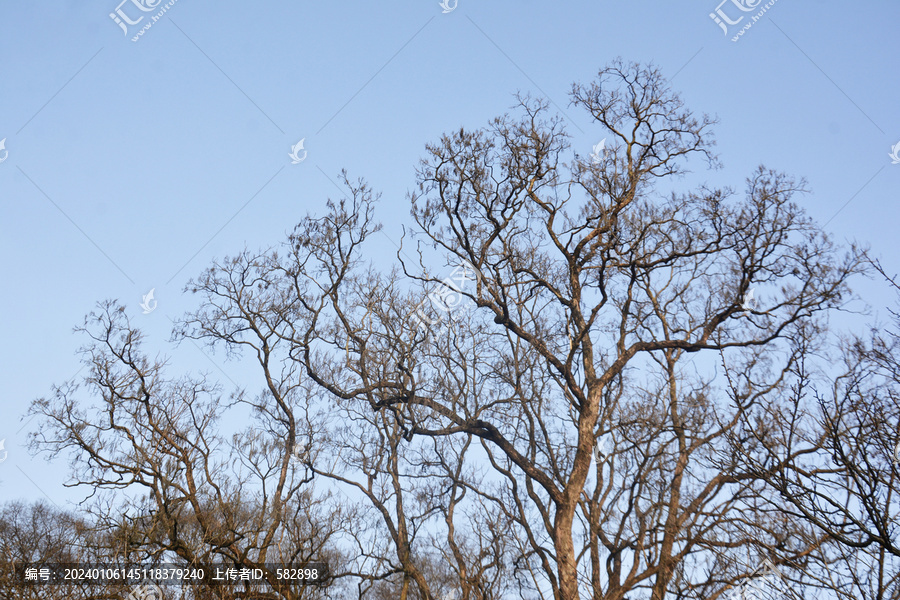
(588, 383)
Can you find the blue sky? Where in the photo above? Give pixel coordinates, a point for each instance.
(131, 165)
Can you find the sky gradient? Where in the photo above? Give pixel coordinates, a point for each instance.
(132, 165)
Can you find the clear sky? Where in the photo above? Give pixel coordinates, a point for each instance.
(131, 165)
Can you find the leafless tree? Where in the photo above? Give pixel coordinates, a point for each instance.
(193, 497)
(280, 308)
(597, 299)
(39, 535)
(839, 468)
(595, 292)
(623, 411)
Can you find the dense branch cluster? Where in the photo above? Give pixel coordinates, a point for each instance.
(598, 411)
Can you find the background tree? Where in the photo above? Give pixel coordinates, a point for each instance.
(193, 497)
(40, 535)
(839, 470)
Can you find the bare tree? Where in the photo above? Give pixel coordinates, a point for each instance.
(597, 299)
(39, 536)
(621, 414)
(603, 289)
(840, 467)
(282, 308)
(193, 498)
